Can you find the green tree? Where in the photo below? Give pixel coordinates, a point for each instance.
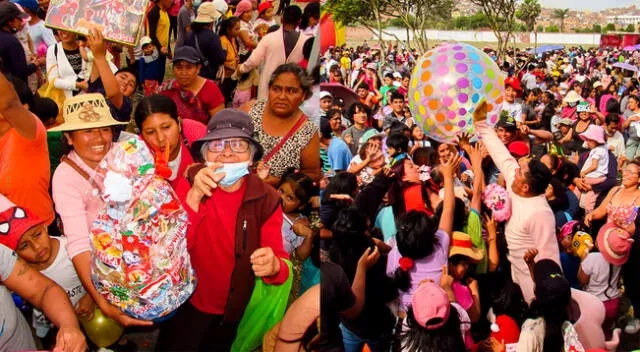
(630, 28)
(528, 13)
(540, 28)
(552, 29)
(418, 15)
(596, 28)
(610, 27)
(561, 14)
(501, 15)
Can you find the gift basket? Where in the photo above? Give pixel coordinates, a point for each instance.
(139, 258)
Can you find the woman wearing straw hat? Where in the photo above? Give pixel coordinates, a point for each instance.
(88, 134)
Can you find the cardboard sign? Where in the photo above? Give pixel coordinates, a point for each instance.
(119, 21)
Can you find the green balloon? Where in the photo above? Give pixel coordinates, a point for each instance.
(101, 330)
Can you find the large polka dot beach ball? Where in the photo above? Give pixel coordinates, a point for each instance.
(447, 84)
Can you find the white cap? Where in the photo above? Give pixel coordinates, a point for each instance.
(145, 40)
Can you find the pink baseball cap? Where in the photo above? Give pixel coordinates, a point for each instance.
(430, 305)
(614, 244)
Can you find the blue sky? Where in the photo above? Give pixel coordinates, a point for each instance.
(588, 4)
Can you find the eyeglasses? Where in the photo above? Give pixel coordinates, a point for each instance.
(236, 145)
(5, 226)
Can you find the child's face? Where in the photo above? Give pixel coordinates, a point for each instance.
(35, 245)
(391, 150)
(360, 117)
(591, 144)
(147, 49)
(325, 103)
(290, 201)
(458, 271)
(268, 14)
(418, 134)
(388, 81)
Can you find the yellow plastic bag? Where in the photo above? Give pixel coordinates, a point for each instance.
(49, 90)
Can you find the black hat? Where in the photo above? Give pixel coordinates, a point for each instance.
(230, 123)
(507, 122)
(551, 285)
(9, 11)
(188, 54)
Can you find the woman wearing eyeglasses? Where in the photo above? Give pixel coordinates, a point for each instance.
(234, 236)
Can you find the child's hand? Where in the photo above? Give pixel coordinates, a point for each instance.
(473, 286)
(301, 228)
(369, 258)
(490, 225)
(529, 256)
(446, 280)
(492, 345)
(475, 154)
(463, 140)
(348, 138)
(85, 307)
(95, 42)
(450, 168)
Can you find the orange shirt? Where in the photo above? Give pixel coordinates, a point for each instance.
(24, 171)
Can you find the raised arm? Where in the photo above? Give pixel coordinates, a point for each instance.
(506, 163)
(101, 68)
(448, 204)
(11, 109)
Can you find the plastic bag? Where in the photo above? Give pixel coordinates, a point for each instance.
(265, 309)
(139, 258)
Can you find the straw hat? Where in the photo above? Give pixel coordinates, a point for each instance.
(86, 111)
(461, 244)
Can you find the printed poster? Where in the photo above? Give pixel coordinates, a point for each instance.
(119, 21)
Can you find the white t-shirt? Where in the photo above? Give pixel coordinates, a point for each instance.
(601, 154)
(600, 283)
(514, 109)
(529, 81)
(532, 337)
(617, 142)
(64, 274)
(555, 119)
(15, 334)
(41, 34)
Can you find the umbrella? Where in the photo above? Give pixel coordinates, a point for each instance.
(340, 91)
(626, 66)
(544, 48)
(632, 47)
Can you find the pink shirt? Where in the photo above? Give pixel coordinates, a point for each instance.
(532, 223)
(77, 206)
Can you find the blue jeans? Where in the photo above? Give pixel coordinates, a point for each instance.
(353, 343)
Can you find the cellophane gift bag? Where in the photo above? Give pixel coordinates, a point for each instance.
(139, 258)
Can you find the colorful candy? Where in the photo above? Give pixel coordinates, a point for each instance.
(447, 84)
(139, 252)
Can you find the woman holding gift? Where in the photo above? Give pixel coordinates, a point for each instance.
(234, 235)
(88, 135)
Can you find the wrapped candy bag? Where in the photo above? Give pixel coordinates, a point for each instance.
(496, 198)
(138, 241)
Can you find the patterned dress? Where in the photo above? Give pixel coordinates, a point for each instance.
(289, 154)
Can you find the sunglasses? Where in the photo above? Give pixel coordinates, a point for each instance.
(5, 226)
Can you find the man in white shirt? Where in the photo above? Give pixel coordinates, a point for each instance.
(529, 79)
(615, 140)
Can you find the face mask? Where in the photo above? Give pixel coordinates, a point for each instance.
(233, 172)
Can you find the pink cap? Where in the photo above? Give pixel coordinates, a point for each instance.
(430, 305)
(242, 7)
(614, 244)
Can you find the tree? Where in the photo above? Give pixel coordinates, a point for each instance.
(501, 17)
(630, 28)
(528, 13)
(596, 28)
(552, 29)
(540, 28)
(561, 14)
(418, 15)
(610, 27)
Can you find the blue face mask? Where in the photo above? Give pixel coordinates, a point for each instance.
(233, 172)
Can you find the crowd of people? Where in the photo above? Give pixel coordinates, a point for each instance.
(521, 241)
(214, 90)
(380, 238)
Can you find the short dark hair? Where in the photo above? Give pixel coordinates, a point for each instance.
(291, 15)
(363, 86)
(389, 75)
(612, 118)
(538, 177)
(398, 141)
(325, 128)
(396, 95)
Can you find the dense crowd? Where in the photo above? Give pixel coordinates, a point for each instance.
(171, 186)
(523, 240)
